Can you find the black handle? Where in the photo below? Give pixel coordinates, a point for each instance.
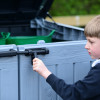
(8, 53)
(27, 52)
(36, 51)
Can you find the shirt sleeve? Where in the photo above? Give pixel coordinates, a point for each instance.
(87, 88)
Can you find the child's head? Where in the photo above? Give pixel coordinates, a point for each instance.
(92, 33)
(92, 29)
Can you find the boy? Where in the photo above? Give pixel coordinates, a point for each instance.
(89, 87)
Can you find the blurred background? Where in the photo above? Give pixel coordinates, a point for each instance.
(74, 12)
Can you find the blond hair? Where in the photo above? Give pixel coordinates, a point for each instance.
(92, 29)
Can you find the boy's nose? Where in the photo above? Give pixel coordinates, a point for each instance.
(86, 46)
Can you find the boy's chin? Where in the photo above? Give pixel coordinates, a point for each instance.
(94, 57)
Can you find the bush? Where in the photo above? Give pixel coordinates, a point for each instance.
(75, 7)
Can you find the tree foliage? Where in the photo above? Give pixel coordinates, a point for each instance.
(75, 7)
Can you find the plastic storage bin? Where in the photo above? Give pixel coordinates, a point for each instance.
(20, 40)
(68, 60)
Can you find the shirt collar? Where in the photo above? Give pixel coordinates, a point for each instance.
(95, 62)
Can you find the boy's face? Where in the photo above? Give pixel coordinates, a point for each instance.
(93, 47)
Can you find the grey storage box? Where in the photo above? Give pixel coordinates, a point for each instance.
(68, 60)
(8, 74)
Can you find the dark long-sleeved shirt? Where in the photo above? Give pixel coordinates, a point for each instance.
(86, 89)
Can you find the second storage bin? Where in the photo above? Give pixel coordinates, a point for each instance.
(21, 40)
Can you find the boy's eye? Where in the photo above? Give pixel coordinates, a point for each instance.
(91, 42)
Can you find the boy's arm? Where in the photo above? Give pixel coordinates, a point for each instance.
(87, 88)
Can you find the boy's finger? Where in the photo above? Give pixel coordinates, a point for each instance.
(35, 59)
(35, 69)
(34, 62)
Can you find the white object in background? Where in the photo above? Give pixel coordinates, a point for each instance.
(40, 42)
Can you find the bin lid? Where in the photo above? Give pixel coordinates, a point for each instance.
(22, 11)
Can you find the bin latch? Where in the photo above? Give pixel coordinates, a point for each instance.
(36, 51)
(28, 52)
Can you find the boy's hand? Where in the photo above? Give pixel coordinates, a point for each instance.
(39, 67)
